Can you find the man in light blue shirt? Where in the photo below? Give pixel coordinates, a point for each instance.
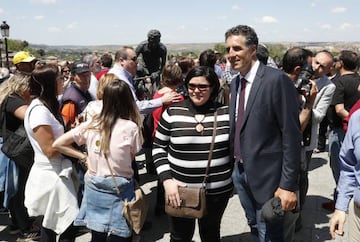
(348, 186)
(125, 69)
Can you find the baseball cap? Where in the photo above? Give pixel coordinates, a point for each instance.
(80, 67)
(23, 56)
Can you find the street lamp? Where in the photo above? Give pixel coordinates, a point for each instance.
(0, 52)
(5, 29)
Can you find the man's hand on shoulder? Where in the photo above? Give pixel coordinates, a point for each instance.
(171, 97)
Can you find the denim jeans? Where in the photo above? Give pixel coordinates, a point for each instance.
(243, 191)
(336, 137)
(279, 231)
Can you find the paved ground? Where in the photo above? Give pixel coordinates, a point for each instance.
(234, 228)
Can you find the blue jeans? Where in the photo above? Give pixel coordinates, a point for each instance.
(336, 137)
(279, 231)
(243, 191)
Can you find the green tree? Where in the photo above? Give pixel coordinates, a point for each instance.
(41, 52)
(220, 48)
(276, 50)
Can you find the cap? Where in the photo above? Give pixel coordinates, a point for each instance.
(23, 56)
(80, 67)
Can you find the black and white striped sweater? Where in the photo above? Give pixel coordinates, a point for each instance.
(180, 152)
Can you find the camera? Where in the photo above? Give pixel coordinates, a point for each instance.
(303, 81)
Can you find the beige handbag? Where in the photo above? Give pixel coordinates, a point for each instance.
(193, 200)
(134, 211)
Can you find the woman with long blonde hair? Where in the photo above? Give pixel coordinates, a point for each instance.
(113, 136)
(14, 100)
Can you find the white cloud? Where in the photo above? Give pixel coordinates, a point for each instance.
(236, 8)
(345, 26)
(1, 10)
(39, 17)
(313, 4)
(339, 10)
(72, 25)
(46, 2)
(326, 26)
(268, 19)
(54, 29)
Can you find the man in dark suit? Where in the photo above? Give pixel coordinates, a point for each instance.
(266, 134)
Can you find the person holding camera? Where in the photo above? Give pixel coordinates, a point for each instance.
(315, 94)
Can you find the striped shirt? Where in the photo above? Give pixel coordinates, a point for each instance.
(181, 152)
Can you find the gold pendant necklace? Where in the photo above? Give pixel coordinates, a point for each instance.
(199, 118)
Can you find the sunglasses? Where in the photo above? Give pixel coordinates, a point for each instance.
(133, 59)
(201, 87)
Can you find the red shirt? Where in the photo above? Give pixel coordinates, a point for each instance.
(157, 112)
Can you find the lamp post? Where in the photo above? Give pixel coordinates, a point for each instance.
(5, 29)
(0, 52)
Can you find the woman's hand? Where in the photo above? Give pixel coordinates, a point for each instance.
(172, 193)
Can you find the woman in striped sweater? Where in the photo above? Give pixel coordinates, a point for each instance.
(181, 148)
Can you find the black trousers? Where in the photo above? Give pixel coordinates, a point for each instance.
(69, 235)
(19, 215)
(182, 229)
(322, 134)
(104, 237)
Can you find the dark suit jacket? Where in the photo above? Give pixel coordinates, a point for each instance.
(270, 136)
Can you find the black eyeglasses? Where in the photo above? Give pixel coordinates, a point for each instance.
(65, 71)
(133, 59)
(201, 87)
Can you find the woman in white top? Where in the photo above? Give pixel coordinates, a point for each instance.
(112, 136)
(50, 190)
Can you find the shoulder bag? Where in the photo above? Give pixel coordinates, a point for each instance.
(134, 211)
(16, 145)
(193, 200)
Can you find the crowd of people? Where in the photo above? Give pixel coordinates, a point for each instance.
(87, 120)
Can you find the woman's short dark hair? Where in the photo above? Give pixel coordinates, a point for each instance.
(209, 75)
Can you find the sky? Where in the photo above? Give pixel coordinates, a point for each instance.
(117, 22)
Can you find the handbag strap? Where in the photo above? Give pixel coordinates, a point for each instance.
(112, 175)
(3, 118)
(211, 149)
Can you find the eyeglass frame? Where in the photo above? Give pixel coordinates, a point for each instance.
(201, 87)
